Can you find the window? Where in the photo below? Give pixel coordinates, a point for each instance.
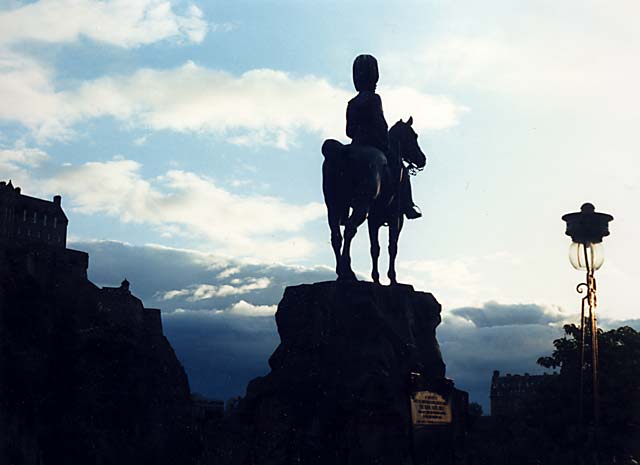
(45, 219)
(55, 222)
(35, 217)
(24, 215)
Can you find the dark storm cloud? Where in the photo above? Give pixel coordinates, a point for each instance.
(223, 341)
(472, 352)
(155, 271)
(224, 333)
(495, 314)
(221, 353)
(608, 324)
(508, 338)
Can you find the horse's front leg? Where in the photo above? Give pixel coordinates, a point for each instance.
(395, 226)
(357, 217)
(374, 228)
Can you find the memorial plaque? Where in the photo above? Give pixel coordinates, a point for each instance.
(429, 408)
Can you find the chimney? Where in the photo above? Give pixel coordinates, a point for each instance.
(18, 190)
(57, 199)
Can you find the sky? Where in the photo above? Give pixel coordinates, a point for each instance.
(184, 138)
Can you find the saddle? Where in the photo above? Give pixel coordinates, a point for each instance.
(353, 154)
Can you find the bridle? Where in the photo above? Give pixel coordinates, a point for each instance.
(411, 167)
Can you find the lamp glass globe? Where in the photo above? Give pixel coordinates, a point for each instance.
(594, 256)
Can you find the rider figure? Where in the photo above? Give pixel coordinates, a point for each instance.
(366, 124)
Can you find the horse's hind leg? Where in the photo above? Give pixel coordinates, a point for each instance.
(395, 226)
(374, 228)
(336, 236)
(357, 217)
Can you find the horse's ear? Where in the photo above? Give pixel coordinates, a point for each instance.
(410, 120)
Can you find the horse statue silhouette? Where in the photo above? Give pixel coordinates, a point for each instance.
(362, 179)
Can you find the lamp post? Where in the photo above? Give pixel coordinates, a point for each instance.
(587, 228)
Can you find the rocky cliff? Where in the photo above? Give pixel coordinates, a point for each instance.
(340, 381)
(86, 375)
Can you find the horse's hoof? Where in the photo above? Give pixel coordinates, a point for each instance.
(376, 278)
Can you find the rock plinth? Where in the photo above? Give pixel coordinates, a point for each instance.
(341, 378)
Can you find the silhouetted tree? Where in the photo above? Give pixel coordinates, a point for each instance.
(548, 429)
(555, 405)
(475, 412)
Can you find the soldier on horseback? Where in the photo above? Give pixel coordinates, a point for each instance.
(368, 180)
(366, 125)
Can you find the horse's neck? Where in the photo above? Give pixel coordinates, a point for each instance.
(393, 157)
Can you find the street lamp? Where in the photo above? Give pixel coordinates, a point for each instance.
(587, 228)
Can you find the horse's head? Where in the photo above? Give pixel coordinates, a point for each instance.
(404, 138)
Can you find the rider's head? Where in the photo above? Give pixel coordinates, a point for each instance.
(365, 73)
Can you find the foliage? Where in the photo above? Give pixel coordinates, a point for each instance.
(475, 410)
(555, 406)
(547, 428)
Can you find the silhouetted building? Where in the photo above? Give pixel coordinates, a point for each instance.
(33, 235)
(31, 220)
(508, 393)
(86, 374)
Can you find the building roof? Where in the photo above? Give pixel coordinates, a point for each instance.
(7, 190)
(515, 383)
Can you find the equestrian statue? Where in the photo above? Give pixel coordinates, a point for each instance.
(369, 179)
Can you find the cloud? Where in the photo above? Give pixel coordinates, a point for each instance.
(258, 107)
(21, 155)
(460, 281)
(224, 342)
(16, 162)
(245, 308)
(430, 112)
(207, 291)
(228, 272)
(123, 23)
(495, 314)
(220, 351)
(607, 324)
(505, 337)
(564, 50)
(154, 270)
(180, 202)
(472, 352)
(28, 96)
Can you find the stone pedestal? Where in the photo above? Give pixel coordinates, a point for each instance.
(341, 378)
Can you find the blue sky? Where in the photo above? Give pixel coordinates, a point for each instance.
(196, 127)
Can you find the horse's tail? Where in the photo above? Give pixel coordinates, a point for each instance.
(334, 184)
